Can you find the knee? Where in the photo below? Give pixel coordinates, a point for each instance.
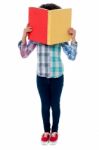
(45, 108)
(55, 106)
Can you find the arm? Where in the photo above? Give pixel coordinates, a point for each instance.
(26, 48)
(70, 49)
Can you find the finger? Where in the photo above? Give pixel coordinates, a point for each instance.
(29, 30)
(70, 32)
(70, 29)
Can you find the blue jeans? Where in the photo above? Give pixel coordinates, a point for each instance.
(50, 92)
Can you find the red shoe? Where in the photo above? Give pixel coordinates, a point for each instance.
(45, 138)
(53, 138)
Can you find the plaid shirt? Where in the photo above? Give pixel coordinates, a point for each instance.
(49, 62)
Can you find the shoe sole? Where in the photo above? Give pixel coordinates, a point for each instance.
(52, 143)
(44, 143)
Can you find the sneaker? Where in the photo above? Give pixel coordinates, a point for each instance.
(53, 137)
(45, 138)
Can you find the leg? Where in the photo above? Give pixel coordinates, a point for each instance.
(43, 88)
(56, 89)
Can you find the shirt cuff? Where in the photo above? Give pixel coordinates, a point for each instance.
(21, 43)
(75, 43)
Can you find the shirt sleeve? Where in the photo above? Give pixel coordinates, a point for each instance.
(26, 48)
(70, 49)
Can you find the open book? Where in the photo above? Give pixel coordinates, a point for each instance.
(49, 26)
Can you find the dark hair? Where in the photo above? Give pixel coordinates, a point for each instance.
(50, 6)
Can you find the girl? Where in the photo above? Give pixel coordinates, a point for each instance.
(50, 76)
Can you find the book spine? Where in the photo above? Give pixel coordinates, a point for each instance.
(49, 29)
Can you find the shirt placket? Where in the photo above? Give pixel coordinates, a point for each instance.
(49, 62)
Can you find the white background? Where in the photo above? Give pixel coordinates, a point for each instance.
(20, 115)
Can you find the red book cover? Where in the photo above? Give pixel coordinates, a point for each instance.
(38, 20)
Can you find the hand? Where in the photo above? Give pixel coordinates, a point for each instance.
(26, 30)
(72, 32)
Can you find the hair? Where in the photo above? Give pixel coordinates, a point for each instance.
(50, 6)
